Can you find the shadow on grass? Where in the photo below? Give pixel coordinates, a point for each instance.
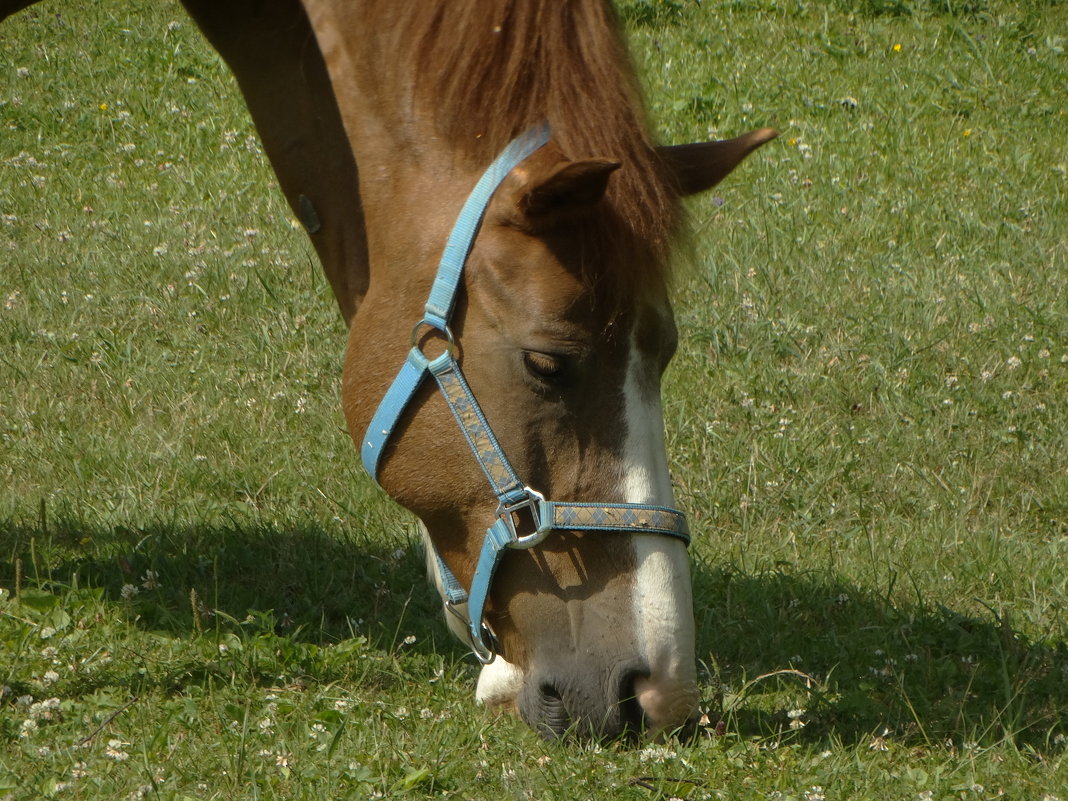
(305, 583)
(926, 674)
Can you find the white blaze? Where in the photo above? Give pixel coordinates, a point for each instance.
(663, 602)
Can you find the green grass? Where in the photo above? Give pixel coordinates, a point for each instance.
(867, 422)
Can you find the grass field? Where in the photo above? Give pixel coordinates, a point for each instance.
(204, 597)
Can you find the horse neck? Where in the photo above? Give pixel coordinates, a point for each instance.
(411, 200)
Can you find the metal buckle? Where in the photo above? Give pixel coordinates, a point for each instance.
(531, 502)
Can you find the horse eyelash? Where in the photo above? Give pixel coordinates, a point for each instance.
(543, 365)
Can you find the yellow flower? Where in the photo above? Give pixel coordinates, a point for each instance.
(897, 47)
(103, 106)
(967, 131)
(793, 141)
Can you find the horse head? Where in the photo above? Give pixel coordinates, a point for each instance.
(562, 342)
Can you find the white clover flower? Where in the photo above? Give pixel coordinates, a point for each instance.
(44, 710)
(128, 591)
(655, 753)
(114, 751)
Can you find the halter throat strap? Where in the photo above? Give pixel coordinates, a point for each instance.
(515, 500)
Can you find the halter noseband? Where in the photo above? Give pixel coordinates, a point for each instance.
(513, 496)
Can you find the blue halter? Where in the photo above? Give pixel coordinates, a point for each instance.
(513, 496)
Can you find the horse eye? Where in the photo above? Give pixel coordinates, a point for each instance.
(542, 365)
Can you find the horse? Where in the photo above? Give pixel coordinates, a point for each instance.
(496, 223)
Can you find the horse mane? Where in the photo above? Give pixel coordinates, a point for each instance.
(490, 69)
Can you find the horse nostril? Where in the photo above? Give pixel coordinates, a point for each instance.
(553, 720)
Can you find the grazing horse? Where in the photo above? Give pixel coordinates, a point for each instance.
(496, 223)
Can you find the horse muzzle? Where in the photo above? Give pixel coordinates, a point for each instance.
(621, 702)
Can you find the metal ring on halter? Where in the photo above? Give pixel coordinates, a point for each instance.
(485, 650)
(442, 358)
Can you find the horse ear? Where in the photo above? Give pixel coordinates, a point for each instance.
(702, 165)
(568, 187)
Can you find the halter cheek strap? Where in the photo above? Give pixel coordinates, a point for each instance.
(514, 498)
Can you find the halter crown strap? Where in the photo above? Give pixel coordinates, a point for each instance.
(513, 497)
(451, 267)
